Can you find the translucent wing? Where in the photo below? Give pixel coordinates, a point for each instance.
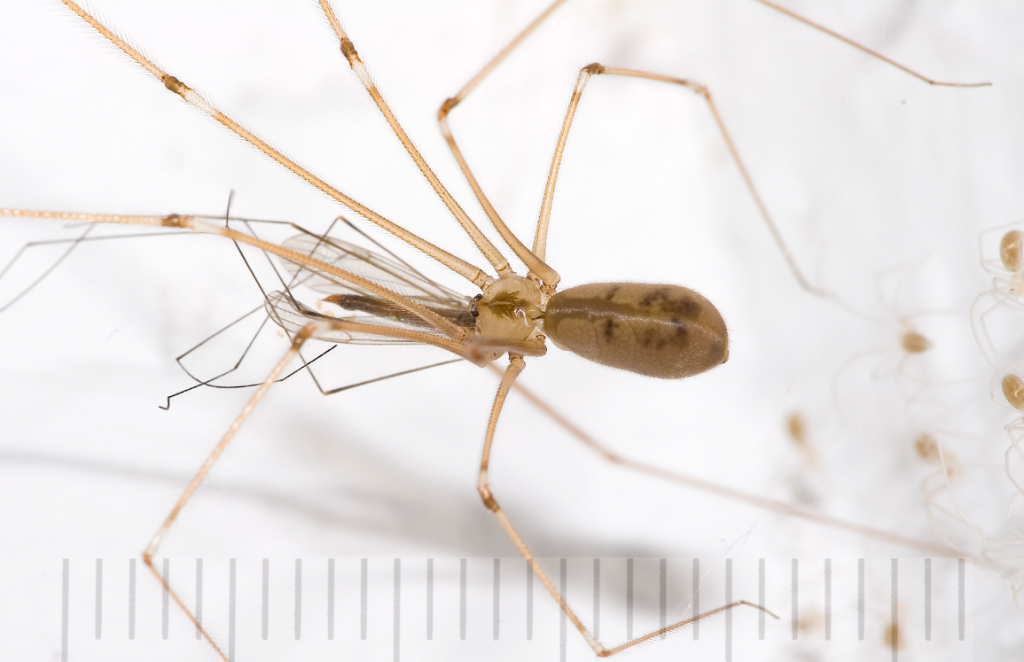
(397, 276)
(360, 306)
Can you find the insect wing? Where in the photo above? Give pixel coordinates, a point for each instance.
(387, 272)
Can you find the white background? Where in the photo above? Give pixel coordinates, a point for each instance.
(864, 168)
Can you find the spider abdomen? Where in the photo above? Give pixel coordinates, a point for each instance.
(665, 331)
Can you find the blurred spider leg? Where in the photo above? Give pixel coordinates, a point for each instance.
(588, 72)
(508, 378)
(468, 271)
(154, 543)
(1013, 390)
(483, 244)
(986, 304)
(864, 49)
(733, 494)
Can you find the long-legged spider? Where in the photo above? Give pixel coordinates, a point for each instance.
(698, 433)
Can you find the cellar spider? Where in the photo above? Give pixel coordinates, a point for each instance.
(995, 315)
(172, 204)
(1012, 386)
(953, 509)
(899, 360)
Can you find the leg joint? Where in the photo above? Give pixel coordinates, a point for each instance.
(348, 49)
(446, 108)
(489, 501)
(175, 85)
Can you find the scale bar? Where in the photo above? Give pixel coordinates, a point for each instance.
(393, 608)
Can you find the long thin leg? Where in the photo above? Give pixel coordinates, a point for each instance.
(480, 352)
(83, 239)
(534, 259)
(300, 338)
(535, 264)
(203, 225)
(864, 49)
(483, 486)
(456, 264)
(56, 263)
(489, 250)
(296, 279)
(587, 73)
(154, 544)
(772, 505)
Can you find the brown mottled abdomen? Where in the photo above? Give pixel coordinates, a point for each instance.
(665, 331)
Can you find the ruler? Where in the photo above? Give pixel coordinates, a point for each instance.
(79, 609)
